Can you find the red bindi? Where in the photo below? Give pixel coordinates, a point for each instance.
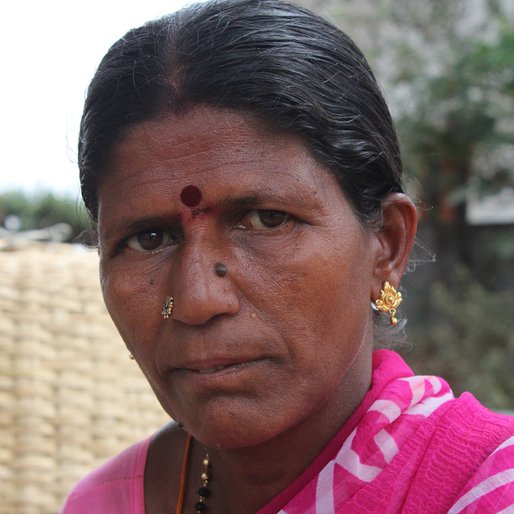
(191, 196)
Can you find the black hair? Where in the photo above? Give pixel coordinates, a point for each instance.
(292, 69)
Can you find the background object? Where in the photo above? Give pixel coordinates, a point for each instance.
(69, 395)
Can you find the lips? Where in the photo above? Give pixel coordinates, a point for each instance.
(218, 373)
(209, 370)
(220, 359)
(235, 366)
(207, 366)
(217, 349)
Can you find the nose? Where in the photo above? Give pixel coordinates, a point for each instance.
(200, 293)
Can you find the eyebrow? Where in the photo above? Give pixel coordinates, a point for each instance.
(239, 202)
(134, 226)
(253, 200)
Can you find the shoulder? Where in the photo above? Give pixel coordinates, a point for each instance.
(476, 425)
(490, 488)
(469, 458)
(113, 486)
(467, 433)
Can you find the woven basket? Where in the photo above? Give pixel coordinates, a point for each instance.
(69, 395)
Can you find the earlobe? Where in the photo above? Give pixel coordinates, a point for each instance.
(395, 238)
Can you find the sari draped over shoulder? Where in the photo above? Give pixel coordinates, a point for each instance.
(410, 447)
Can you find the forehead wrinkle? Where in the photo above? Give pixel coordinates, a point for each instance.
(156, 142)
(153, 146)
(170, 166)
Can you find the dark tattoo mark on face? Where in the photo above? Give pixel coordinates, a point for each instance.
(220, 269)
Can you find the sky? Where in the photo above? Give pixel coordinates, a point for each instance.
(49, 53)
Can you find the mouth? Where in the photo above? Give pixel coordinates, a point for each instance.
(234, 366)
(226, 373)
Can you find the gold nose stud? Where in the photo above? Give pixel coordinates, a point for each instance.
(167, 308)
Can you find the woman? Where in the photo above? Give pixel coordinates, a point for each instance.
(244, 177)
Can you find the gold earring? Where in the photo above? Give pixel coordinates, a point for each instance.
(167, 308)
(131, 357)
(389, 301)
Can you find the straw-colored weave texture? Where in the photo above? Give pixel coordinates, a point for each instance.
(69, 395)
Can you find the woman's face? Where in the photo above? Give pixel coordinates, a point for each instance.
(245, 356)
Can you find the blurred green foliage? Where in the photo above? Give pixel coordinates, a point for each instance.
(43, 209)
(463, 117)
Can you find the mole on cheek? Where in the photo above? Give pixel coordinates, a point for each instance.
(191, 196)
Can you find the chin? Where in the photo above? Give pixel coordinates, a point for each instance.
(229, 428)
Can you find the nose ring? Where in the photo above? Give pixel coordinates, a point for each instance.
(167, 308)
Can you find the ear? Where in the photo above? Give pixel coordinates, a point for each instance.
(395, 240)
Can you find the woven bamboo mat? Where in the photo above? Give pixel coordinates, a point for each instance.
(69, 395)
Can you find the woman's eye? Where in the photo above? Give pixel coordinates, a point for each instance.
(264, 219)
(151, 240)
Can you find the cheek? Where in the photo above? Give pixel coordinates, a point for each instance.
(131, 301)
(322, 306)
(314, 287)
(341, 300)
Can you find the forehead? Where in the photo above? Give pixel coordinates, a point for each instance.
(207, 154)
(177, 143)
